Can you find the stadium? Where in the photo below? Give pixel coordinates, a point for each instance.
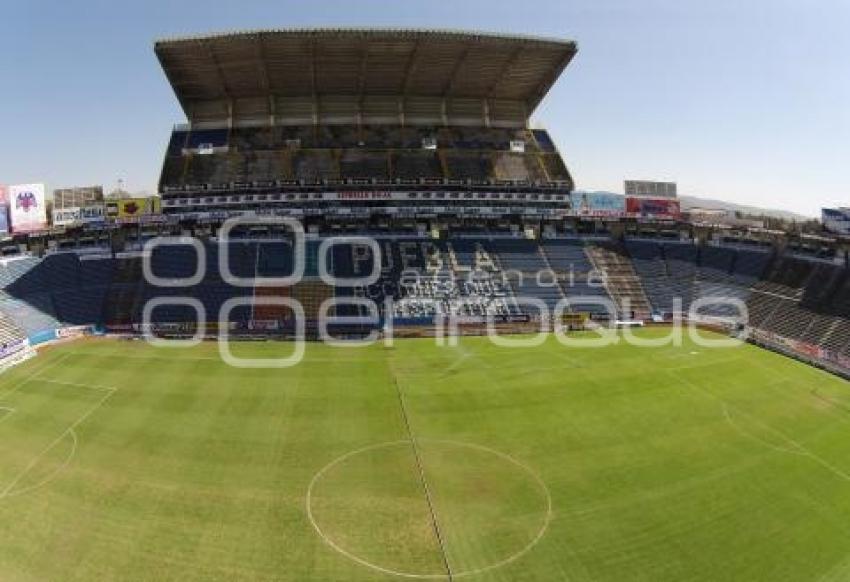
(369, 330)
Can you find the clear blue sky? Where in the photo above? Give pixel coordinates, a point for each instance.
(745, 101)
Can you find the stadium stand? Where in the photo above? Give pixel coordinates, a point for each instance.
(428, 149)
(805, 301)
(470, 276)
(252, 156)
(10, 333)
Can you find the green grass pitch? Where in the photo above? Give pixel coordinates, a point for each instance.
(120, 461)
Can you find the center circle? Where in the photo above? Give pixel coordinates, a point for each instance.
(421, 510)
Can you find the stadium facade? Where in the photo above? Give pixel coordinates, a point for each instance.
(421, 141)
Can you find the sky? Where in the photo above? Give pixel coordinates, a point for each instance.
(745, 101)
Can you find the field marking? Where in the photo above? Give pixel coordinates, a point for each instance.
(16, 385)
(836, 403)
(837, 573)
(510, 559)
(706, 364)
(100, 387)
(6, 491)
(434, 521)
(50, 476)
(117, 354)
(800, 448)
(746, 433)
(68, 432)
(657, 493)
(836, 409)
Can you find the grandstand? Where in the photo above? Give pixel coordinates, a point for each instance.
(420, 140)
(388, 122)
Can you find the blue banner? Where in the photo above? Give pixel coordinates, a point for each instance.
(597, 204)
(40, 337)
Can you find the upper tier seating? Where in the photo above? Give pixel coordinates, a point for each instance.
(469, 166)
(416, 165)
(312, 154)
(212, 137)
(360, 164)
(314, 166)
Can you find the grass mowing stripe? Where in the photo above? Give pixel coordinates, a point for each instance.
(434, 522)
(200, 472)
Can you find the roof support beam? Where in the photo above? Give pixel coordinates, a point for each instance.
(410, 68)
(262, 65)
(226, 94)
(315, 97)
(225, 90)
(265, 82)
(361, 80)
(447, 89)
(508, 66)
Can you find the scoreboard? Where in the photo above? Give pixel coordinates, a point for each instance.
(647, 189)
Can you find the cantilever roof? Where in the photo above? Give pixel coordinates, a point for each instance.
(361, 63)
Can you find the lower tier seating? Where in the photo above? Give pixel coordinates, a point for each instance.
(472, 276)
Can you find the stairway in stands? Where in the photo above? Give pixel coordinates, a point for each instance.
(10, 333)
(621, 280)
(576, 275)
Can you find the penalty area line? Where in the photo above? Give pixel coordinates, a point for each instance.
(33, 374)
(799, 448)
(99, 387)
(68, 431)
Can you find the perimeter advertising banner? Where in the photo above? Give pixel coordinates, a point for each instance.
(27, 208)
(4, 211)
(138, 207)
(597, 204)
(134, 208)
(661, 208)
(78, 215)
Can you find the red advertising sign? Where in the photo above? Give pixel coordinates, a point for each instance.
(665, 208)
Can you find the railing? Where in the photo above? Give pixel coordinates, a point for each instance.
(555, 186)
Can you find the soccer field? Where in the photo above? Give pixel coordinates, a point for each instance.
(123, 461)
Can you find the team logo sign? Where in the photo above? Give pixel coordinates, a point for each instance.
(27, 207)
(26, 201)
